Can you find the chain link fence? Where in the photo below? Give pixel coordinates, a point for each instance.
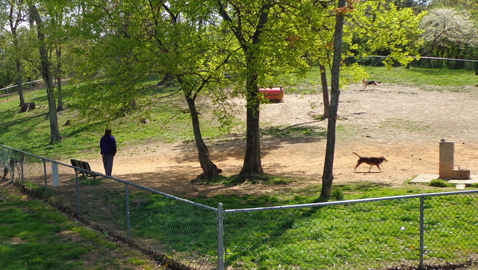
(403, 232)
(380, 233)
(422, 62)
(179, 233)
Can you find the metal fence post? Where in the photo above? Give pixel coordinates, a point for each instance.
(220, 237)
(422, 216)
(127, 211)
(77, 193)
(44, 172)
(21, 167)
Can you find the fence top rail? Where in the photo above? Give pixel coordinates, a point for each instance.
(258, 208)
(16, 85)
(422, 57)
(423, 195)
(115, 179)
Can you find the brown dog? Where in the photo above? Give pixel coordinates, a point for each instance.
(367, 83)
(370, 161)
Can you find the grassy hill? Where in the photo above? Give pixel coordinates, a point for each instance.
(169, 120)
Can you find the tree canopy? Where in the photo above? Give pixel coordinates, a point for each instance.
(224, 48)
(449, 32)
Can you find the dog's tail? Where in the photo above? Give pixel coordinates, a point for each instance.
(356, 154)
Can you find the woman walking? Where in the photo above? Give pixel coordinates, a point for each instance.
(108, 151)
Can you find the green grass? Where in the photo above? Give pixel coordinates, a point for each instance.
(30, 131)
(448, 79)
(361, 234)
(440, 183)
(294, 132)
(169, 123)
(426, 79)
(348, 236)
(34, 236)
(406, 125)
(349, 191)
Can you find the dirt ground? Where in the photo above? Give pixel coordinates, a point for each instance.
(403, 124)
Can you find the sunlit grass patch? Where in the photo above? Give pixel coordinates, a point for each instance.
(409, 126)
(35, 236)
(445, 78)
(294, 132)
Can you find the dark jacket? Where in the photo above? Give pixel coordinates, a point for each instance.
(108, 145)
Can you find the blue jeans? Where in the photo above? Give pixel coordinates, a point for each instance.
(108, 164)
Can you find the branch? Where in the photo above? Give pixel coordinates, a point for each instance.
(236, 30)
(263, 19)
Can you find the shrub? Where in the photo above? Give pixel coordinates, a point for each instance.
(89, 181)
(439, 183)
(337, 194)
(84, 180)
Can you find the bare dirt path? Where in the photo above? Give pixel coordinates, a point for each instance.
(404, 124)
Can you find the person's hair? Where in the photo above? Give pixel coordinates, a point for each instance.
(107, 131)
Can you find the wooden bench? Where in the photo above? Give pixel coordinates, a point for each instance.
(85, 166)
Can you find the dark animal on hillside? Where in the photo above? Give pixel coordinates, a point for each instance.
(370, 161)
(367, 83)
(28, 107)
(8, 167)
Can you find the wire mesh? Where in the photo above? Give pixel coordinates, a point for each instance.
(379, 233)
(178, 230)
(450, 233)
(422, 62)
(359, 235)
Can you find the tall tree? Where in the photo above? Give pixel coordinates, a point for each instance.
(55, 136)
(468, 5)
(319, 31)
(371, 27)
(328, 176)
(180, 40)
(250, 44)
(16, 16)
(449, 33)
(173, 40)
(58, 31)
(265, 34)
(458, 4)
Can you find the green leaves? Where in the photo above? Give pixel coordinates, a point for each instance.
(384, 29)
(449, 28)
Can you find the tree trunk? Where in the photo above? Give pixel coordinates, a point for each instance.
(58, 79)
(47, 78)
(325, 90)
(252, 160)
(328, 176)
(209, 169)
(60, 100)
(20, 83)
(18, 63)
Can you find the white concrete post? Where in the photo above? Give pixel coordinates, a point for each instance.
(447, 156)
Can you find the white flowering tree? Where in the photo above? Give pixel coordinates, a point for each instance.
(449, 33)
